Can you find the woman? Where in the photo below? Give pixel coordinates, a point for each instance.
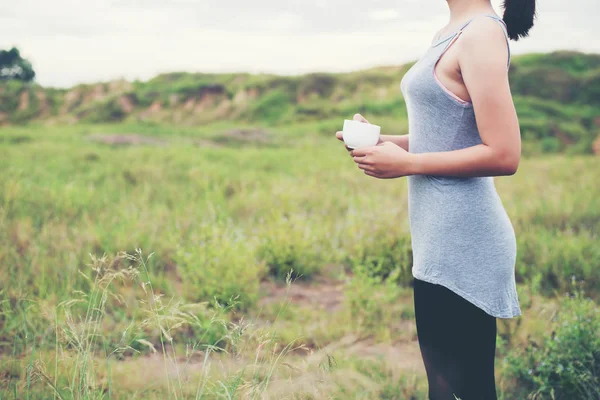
(463, 130)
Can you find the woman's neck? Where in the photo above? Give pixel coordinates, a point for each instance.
(461, 10)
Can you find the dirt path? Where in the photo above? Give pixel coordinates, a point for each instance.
(321, 293)
(307, 371)
(327, 294)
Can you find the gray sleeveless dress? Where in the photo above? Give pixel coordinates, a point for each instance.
(462, 237)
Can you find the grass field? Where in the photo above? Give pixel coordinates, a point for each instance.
(270, 267)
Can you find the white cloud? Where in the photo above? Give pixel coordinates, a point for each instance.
(383, 15)
(72, 41)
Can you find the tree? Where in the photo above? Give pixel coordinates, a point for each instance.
(13, 66)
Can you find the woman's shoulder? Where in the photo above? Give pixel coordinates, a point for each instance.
(486, 38)
(483, 29)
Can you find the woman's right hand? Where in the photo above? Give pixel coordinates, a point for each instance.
(339, 134)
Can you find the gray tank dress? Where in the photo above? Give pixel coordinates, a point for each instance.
(462, 237)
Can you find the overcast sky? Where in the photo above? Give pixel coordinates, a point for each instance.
(73, 41)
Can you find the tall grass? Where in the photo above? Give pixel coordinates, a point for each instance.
(80, 365)
(220, 221)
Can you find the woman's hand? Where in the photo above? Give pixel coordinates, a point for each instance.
(384, 161)
(357, 117)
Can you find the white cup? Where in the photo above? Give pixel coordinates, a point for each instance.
(358, 134)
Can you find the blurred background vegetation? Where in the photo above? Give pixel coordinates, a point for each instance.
(278, 270)
(557, 96)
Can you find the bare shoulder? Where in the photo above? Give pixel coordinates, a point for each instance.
(484, 31)
(484, 38)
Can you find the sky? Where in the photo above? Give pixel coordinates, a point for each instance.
(85, 41)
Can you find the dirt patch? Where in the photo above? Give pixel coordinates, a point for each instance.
(327, 294)
(152, 111)
(243, 97)
(45, 110)
(206, 143)
(131, 139)
(189, 104)
(208, 100)
(244, 136)
(71, 101)
(404, 355)
(297, 370)
(126, 104)
(97, 93)
(223, 109)
(23, 101)
(324, 293)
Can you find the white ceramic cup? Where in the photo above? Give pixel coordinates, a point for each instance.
(358, 134)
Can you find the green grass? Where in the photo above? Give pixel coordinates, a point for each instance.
(219, 219)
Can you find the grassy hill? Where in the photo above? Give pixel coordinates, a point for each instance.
(557, 97)
(206, 236)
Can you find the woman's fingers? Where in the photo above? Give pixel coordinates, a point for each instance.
(358, 117)
(366, 167)
(340, 136)
(361, 160)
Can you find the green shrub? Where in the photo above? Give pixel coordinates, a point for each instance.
(321, 84)
(9, 95)
(550, 145)
(290, 244)
(573, 62)
(583, 145)
(558, 257)
(565, 365)
(105, 111)
(370, 301)
(270, 107)
(590, 86)
(534, 128)
(313, 110)
(384, 256)
(545, 81)
(218, 263)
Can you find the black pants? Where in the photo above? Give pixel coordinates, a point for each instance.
(458, 344)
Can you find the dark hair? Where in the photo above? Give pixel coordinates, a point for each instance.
(519, 16)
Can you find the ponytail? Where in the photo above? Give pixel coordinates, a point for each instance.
(518, 17)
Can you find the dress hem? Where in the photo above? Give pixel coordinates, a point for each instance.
(515, 312)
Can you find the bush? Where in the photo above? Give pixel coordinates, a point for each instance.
(320, 83)
(371, 300)
(550, 145)
(290, 244)
(384, 256)
(565, 365)
(271, 107)
(558, 257)
(534, 128)
(546, 81)
(104, 111)
(590, 87)
(218, 263)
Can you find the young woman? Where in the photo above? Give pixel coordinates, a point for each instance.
(463, 130)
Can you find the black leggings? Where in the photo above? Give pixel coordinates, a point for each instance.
(458, 344)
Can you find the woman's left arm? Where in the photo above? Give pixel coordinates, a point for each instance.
(482, 59)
